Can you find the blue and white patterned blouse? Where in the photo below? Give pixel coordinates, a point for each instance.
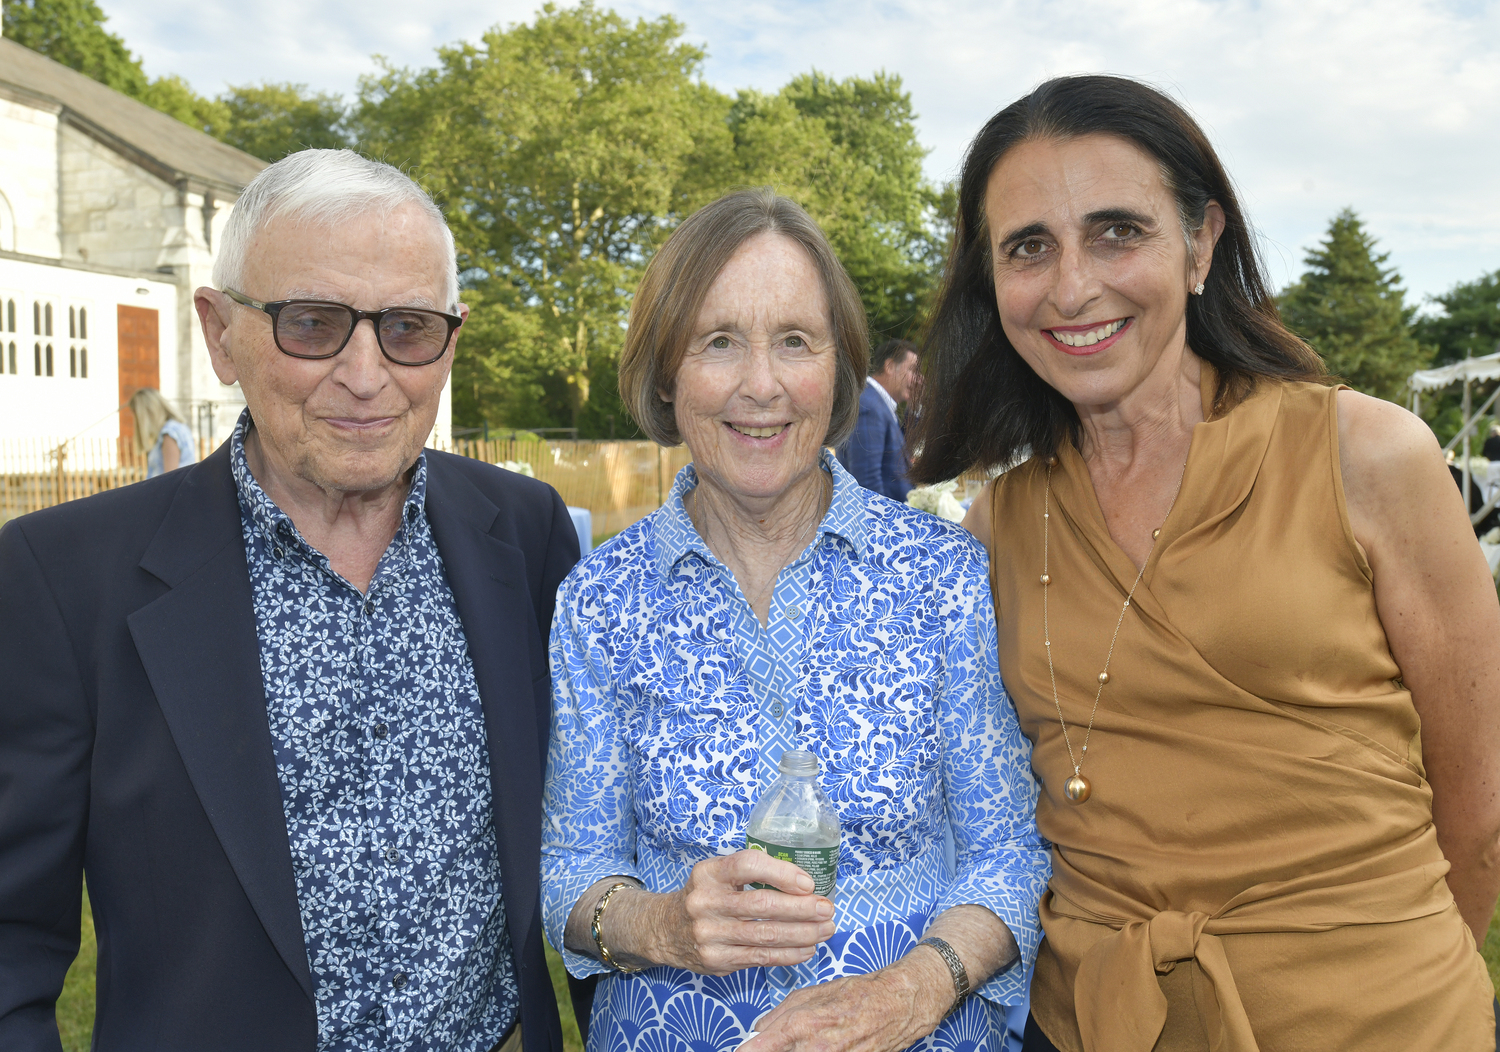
(187, 448)
(672, 706)
(385, 782)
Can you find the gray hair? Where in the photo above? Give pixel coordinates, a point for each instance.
(323, 187)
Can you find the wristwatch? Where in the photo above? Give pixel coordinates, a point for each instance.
(955, 968)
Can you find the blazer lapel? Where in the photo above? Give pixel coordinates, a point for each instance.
(488, 578)
(199, 646)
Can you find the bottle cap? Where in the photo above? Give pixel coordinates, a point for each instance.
(799, 763)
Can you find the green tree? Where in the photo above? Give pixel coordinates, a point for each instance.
(566, 150)
(1351, 308)
(1467, 323)
(72, 32)
(176, 98)
(559, 149)
(270, 121)
(868, 192)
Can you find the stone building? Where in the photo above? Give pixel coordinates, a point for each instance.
(110, 215)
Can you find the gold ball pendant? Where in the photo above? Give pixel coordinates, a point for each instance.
(1077, 789)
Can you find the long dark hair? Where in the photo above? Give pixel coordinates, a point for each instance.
(982, 405)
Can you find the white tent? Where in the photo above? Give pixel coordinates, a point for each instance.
(1467, 372)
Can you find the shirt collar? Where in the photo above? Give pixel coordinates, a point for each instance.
(676, 537)
(274, 523)
(886, 395)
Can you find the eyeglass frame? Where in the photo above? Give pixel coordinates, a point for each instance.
(274, 308)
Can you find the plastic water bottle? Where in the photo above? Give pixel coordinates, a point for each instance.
(795, 821)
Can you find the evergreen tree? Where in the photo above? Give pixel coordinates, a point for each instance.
(1351, 308)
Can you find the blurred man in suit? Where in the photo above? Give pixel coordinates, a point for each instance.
(876, 453)
(287, 708)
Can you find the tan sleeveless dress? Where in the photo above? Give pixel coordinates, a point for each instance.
(1257, 867)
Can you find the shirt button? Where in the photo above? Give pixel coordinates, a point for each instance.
(381, 730)
(392, 855)
(277, 551)
(369, 607)
(399, 980)
(776, 709)
(793, 612)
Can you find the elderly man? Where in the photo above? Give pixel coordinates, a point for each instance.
(287, 709)
(875, 453)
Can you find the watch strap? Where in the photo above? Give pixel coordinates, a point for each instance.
(955, 969)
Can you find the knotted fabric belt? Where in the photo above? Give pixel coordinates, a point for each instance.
(1118, 1001)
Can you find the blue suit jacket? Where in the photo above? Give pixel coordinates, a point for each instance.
(135, 748)
(876, 453)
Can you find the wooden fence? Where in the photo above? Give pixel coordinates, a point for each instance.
(619, 482)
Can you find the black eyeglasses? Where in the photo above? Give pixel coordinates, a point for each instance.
(321, 329)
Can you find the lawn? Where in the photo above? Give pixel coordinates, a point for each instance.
(75, 1010)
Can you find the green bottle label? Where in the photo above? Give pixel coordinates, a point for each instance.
(820, 863)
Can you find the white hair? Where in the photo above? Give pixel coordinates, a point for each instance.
(323, 188)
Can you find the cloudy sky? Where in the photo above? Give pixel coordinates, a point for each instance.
(1389, 106)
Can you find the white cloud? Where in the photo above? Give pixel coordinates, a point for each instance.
(1390, 106)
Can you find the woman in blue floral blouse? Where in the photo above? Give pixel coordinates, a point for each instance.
(773, 604)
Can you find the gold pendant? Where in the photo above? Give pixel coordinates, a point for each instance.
(1077, 789)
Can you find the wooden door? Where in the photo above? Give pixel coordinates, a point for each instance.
(139, 363)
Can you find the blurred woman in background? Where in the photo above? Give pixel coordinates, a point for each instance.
(160, 433)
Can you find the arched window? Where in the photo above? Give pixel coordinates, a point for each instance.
(83, 362)
(12, 357)
(49, 359)
(10, 315)
(36, 318)
(36, 364)
(72, 323)
(73, 362)
(83, 323)
(47, 319)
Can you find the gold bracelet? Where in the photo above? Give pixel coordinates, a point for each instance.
(594, 927)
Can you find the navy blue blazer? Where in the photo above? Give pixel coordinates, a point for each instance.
(135, 748)
(876, 453)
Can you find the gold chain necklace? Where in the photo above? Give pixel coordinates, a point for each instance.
(1078, 788)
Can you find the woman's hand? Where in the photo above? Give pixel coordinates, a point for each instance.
(896, 1006)
(711, 925)
(880, 1012)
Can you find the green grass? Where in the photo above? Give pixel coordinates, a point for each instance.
(1491, 948)
(571, 1041)
(75, 1009)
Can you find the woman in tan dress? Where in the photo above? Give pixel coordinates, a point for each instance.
(1242, 614)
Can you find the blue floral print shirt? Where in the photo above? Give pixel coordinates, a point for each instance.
(673, 704)
(384, 768)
